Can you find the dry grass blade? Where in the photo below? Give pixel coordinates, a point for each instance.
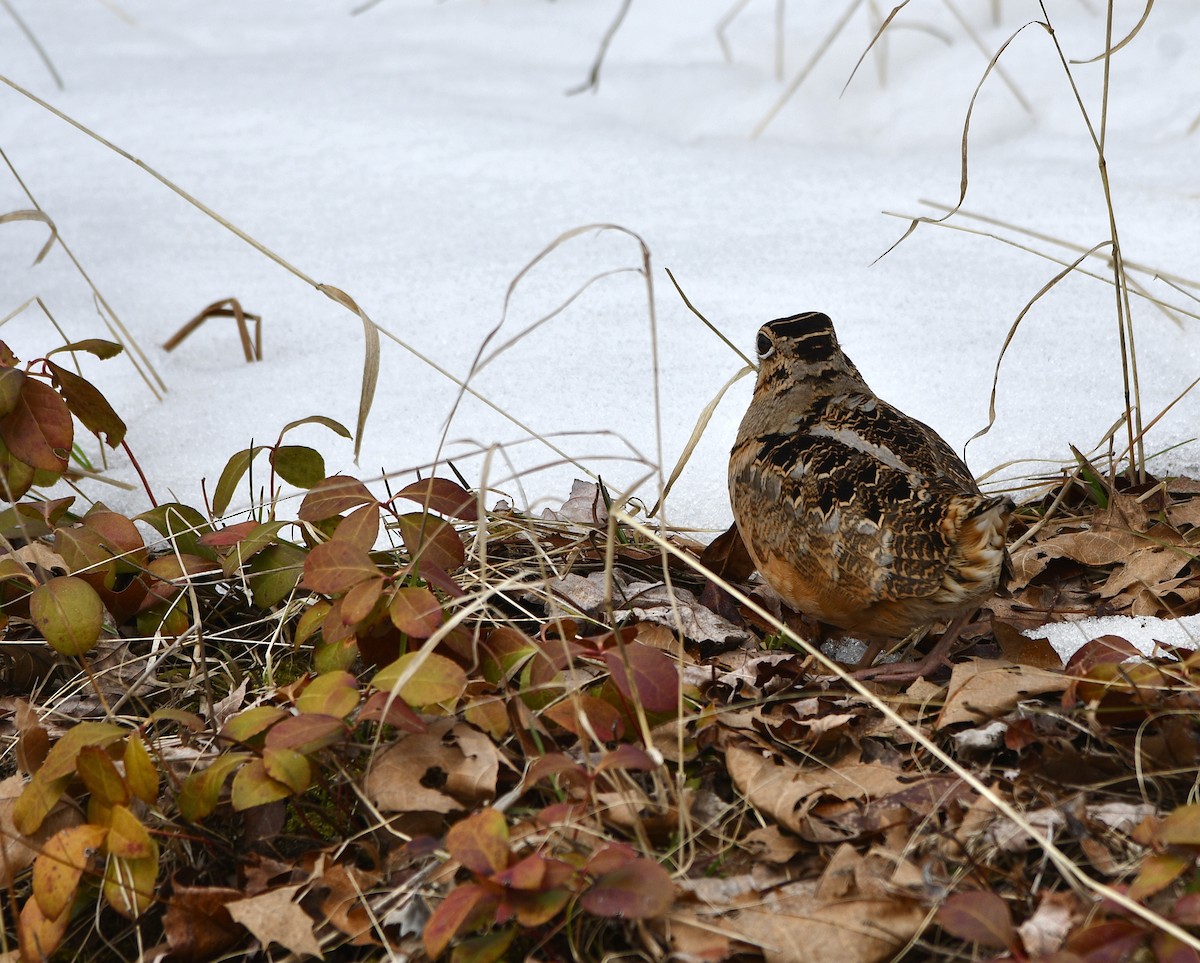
(697, 433)
(708, 324)
(878, 35)
(370, 373)
(1013, 330)
(971, 32)
(1166, 307)
(963, 179)
(1109, 51)
(36, 215)
(225, 308)
(1125, 330)
(112, 321)
(808, 68)
(33, 42)
(593, 80)
(723, 25)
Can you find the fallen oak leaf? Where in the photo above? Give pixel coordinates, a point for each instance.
(273, 917)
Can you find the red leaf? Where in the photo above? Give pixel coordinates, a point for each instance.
(585, 715)
(337, 566)
(638, 890)
(391, 711)
(627, 757)
(431, 540)
(88, 405)
(978, 917)
(416, 612)
(229, 535)
(39, 431)
(360, 527)
(480, 842)
(306, 733)
(334, 495)
(527, 874)
(655, 677)
(442, 496)
(464, 908)
(1106, 648)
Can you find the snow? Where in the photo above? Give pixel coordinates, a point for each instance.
(419, 155)
(1151, 636)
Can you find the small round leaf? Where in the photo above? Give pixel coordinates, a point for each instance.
(68, 613)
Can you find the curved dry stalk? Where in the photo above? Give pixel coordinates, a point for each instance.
(593, 81)
(807, 68)
(1013, 330)
(33, 42)
(112, 321)
(1110, 50)
(708, 324)
(702, 421)
(963, 179)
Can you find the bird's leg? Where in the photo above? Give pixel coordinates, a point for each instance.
(913, 670)
(876, 645)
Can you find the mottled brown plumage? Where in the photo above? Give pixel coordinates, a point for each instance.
(855, 513)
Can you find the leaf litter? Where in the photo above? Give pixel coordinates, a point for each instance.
(441, 745)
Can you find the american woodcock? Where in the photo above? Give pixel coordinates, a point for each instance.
(855, 513)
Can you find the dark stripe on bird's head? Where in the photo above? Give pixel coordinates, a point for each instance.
(810, 333)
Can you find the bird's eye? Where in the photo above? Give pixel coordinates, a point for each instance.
(765, 346)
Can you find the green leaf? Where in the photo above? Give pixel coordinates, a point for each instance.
(227, 484)
(100, 776)
(252, 722)
(434, 679)
(335, 426)
(253, 787)
(310, 621)
(140, 773)
(68, 613)
(98, 346)
(487, 948)
(288, 767)
(274, 573)
(331, 693)
(182, 525)
(298, 465)
(11, 380)
(201, 791)
(129, 884)
(88, 405)
(255, 538)
(39, 430)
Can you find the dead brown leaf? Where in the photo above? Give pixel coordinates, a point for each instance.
(273, 917)
(447, 769)
(981, 689)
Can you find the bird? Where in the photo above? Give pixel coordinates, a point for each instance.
(856, 514)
